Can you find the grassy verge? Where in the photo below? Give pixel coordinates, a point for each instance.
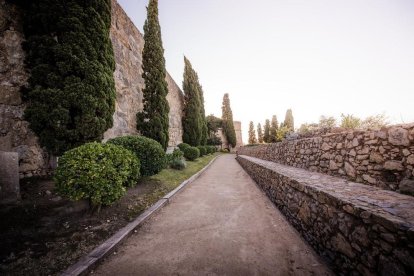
(155, 187)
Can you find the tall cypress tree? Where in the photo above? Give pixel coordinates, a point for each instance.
(153, 121)
(289, 122)
(228, 125)
(71, 93)
(204, 129)
(266, 135)
(252, 134)
(273, 129)
(192, 117)
(259, 133)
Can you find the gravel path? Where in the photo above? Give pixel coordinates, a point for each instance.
(221, 224)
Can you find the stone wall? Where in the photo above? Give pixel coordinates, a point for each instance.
(128, 42)
(382, 158)
(358, 229)
(15, 134)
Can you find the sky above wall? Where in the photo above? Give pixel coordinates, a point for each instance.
(320, 57)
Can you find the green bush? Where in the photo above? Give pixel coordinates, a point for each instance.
(178, 164)
(183, 146)
(225, 150)
(211, 149)
(202, 150)
(148, 151)
(176, 154)
(97, 172)
(191, 153)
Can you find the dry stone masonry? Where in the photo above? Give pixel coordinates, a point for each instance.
(359, 229)
(382, 158)
(128, 42)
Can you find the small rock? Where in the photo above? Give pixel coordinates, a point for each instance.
(376, 157)
(355, 142)
(393, 165)
(369, 179)
(350, 171)
(48, 192)
(410, 159)
(398, 136)
(407, 186)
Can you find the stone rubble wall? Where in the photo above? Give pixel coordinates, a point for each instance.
(128, 43)
(382, 158)
(358, 229)
(15, 134)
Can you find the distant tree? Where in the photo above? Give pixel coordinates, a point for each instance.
(153, 121)
(375, 122)
(266, 135)
(307, 128)
(350, 121)
(252, 134)
(289, 122)
(281, 133)
(192, 121)
(327, 122)
(273, 129)
(228, 126)
(259, 133)
(204, 129)
(213, 124)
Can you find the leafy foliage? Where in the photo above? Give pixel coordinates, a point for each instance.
(178, 164)
(203, 150)
(153, 121)
(259, 133)
(193, 119)
(191, 153)
(252, 134)
(350, 121)
(149, 152)
(97, 172)
(71, 93)
(227, 117)
(375, 122)
(289, 121)
(175, 160)
(183, 146)
(327, 122)
(273, 130)
(215, 141)
(266, 135)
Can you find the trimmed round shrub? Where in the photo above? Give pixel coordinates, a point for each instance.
(183, 146)
(176, 154)
(97, 172)
(178, 164)
(202, 150)
(149, 152)
(191, 153)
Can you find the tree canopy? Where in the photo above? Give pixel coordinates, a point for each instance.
(228, 125)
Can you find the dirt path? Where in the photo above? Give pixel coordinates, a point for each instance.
(221, 224)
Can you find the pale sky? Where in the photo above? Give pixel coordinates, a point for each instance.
(317, 57)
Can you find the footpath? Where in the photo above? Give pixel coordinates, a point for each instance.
(221, 224)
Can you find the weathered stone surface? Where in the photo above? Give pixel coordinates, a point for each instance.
(393, 165)
(407, 186)
(398, 136)
(363, 156)
(9, 177)
(349, 224)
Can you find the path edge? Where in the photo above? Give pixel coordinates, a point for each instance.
(86, 263)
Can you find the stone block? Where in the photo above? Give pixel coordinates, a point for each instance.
(407, 186)
(9, 177)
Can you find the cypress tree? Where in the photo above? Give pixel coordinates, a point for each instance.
(273, 129)
(266, 135)
(259, 133)
(203, 119)
(71, 92)
(153, 121)
(252, 134)
(192, 117)
(289, 122)
(228, 126)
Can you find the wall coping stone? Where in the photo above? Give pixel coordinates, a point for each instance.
(392, 210)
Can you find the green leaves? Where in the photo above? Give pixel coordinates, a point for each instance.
(227, 117)
(153, 121)
(150, 152)
(71, 93)
(97, 172)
